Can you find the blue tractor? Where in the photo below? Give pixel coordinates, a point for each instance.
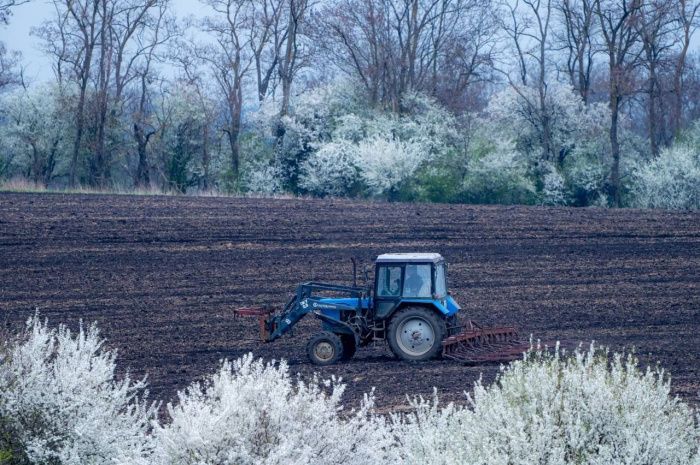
(408, 306)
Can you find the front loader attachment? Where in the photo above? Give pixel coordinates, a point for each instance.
(263, 314)
(471, 343)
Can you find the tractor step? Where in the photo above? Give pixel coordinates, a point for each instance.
(475, 344)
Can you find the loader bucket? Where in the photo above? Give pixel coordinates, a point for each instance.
(472, 343)
(262, 314)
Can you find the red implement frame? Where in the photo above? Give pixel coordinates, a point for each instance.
(261, 313)
(474, 344)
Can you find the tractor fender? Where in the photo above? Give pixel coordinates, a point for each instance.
(446, 307)
(429, 304)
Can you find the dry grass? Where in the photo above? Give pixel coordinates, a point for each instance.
(22, 185)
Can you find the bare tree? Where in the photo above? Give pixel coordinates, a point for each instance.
(463, 55)
(122, 49)
(541, 12)
(93, 45)
(6, 8)
(529, 28)
(159, 32)
(71, 38)
(230, 61)
(687, 13)
(357, 41)
(656, 33)
(11, 73)
(577, 39)
(396, 46)
(289, 60)
(618, 25)
(515, 28)
(268, 35)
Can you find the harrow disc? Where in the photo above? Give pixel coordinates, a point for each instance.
(474, 344)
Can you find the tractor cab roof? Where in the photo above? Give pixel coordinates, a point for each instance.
(410, 258)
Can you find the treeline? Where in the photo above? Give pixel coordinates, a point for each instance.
(573, 102)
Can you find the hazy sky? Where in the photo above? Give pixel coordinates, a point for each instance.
(17, 35)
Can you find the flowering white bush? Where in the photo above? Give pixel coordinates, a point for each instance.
(385, 163)
(585, 177)
(60, 397)
(262, 178)
(498, 176)
(579, 154)
(553, 188)
(252, 412)
(35, 133)
(514, 113)
(670, 181)
(590, 408)
(333, 141)
(331, 170)
(61, 404)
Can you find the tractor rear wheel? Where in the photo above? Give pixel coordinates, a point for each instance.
(349, 346)
(325, 348)
(416, 334)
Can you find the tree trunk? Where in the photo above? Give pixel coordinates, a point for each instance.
(79, 125)
(233, 142)
(100, 164)
(582, 79)
(51, 162)
(615, 146)
(651, 111)
(142, 178)
(678, 87)
(233, 132)
(205, 156)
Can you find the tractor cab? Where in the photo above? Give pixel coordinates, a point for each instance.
(411, 278)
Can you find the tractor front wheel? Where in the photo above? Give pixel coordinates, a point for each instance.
(325, 348)
(416, 334)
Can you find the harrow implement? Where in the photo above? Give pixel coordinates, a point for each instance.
(471, 343)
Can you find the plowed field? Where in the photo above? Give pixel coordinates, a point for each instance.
(160, 276)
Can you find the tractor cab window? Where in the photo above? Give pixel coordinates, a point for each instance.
(440, 284)
(417, 281)
(389, 281)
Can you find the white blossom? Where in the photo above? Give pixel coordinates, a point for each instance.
(592, 408)
(331, 170)
(670, 181)
(498, 173)
(61, 397)
(385, 163)
(253, 412)
(61, 404)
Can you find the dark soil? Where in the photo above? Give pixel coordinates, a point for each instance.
(160, 276)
